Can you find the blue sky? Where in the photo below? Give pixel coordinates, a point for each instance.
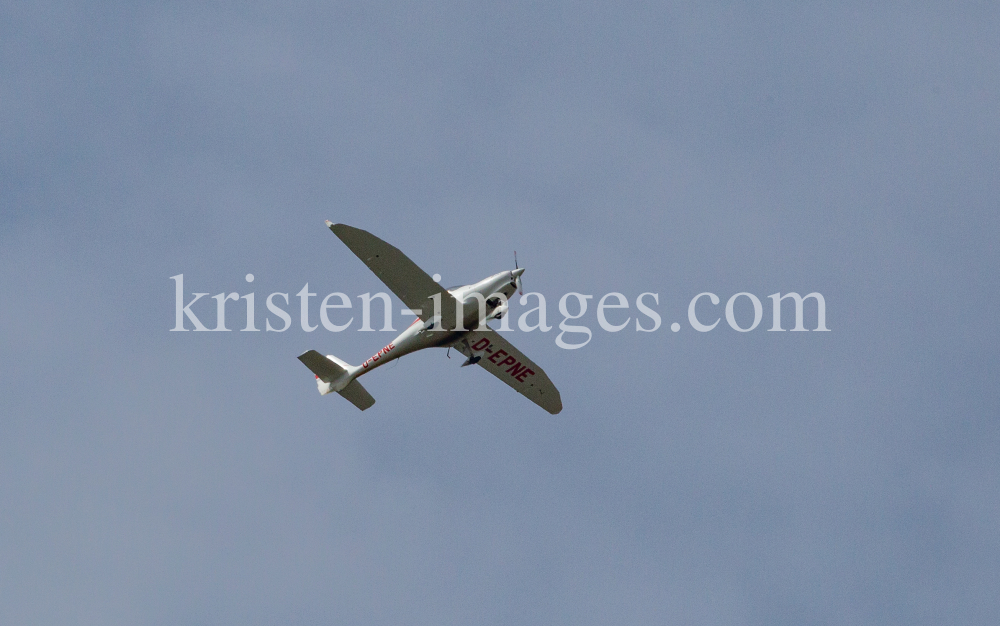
(847, 477)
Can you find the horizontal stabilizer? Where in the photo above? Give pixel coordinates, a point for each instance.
(357, 395)
(323, 367)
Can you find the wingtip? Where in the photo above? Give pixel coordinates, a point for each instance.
(555, 407)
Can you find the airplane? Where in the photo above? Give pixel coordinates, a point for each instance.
(446, 318)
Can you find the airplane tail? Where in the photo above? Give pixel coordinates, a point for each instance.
(332, 374)
(357, 395)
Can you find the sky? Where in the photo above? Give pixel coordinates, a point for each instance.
(842, 477)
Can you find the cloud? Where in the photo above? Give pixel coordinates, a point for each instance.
(839, 477)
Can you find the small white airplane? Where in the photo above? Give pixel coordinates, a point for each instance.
(453, 318)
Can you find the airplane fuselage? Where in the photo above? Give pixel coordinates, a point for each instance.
(430, 334)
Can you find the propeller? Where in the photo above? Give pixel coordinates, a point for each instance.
(517, 278)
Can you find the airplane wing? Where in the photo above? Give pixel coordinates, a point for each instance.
(508, 364)
(402, 276)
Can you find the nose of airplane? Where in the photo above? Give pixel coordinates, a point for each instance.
(516, 273)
